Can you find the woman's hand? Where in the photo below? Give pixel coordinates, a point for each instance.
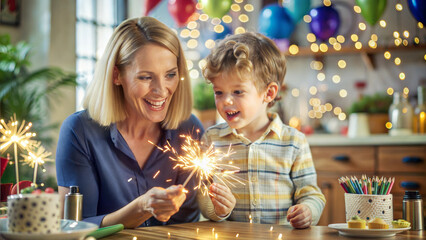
(299, 216)
(222, 198)
(163, 203)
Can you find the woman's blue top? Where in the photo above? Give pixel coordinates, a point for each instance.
(98, 160)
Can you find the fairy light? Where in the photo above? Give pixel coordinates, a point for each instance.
(271, 228)
(243, 18)
(323, 47)
(337, 46)
(327, 3)
(189, 64)
(194, 33)
(280, 236)
(358, 45)
(340, 38)
(239, 30)
(328, 107)
(336, 79)
(402, 76)
(314, 47)
(372, 44)
(398, 7)
(293, 49)
(227, 19)
(405, 42)
(389, 91)
(218, 28)
(311, 37)
(343, 93)
(374, 37)
(397, 41)
(332, 40)
(202, 63)
(382, 23)
(387, 55)
(357, 9)
(235, 7)
(316, 65)
(362, 26)
(185, 33)
(210, 43)
(406, 91)
(341, 116)
(406, 34)
(192, 43)
(311, 114)
(156, 174)
(249, 7)
(215, 21)
(194, 74)
(354, 37)
(420, 25)
(307, 18)
(321, 76)
(337, 110)
(192, 25)
(313, 90)
(203, 17)
(397, 61)
(295, 92)
(341, 64)
(388, 125)
(396, 34)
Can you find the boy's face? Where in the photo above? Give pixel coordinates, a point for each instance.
(239, 102)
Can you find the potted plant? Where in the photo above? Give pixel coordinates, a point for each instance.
(27, 94)
(376, 106)
(204, 105)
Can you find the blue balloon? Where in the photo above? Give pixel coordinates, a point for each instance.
(297, 8)
(418, 9)
(275, 22)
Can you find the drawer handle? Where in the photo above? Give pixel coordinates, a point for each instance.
(341, 158)
(410, 160)
(410, 185)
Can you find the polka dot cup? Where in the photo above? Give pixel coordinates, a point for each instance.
(368, 206)
(34, 213)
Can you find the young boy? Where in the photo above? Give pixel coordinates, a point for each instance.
(247, 71)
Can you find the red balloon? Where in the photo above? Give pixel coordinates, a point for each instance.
(149, 5)
(22, 184)
(181, 10)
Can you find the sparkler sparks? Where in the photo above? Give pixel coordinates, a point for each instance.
(206, 165)
(18, 136)
(37, 156)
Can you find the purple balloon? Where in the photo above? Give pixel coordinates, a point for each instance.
(325, 22)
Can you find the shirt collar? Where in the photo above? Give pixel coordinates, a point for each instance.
(275, 126)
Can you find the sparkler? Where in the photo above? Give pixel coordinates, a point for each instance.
(37, 155)
(205, 164)
(18, 136)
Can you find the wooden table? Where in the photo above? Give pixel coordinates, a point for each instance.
(239, 230)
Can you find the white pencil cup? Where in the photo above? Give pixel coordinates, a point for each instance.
(369, 206)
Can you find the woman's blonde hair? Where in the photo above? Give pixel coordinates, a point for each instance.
(248, 53)
(105, 102)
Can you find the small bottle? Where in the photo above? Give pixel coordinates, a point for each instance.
(73, 206)
(419, 123)
(412, 209)
(400, 115)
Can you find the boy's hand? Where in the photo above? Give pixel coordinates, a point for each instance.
(222, 198)
(299, 216)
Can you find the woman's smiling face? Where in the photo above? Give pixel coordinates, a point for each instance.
(149, 82)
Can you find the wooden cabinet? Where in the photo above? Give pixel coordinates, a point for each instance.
(406, 163)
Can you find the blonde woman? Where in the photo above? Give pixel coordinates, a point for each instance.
(140, 93)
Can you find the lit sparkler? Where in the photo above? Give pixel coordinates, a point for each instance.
(205, 164)
(18, 136)
(36, 156)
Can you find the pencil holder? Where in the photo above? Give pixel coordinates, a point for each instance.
(368, 206)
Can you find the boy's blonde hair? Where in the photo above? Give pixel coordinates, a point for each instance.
(248, 53)
(105, 102)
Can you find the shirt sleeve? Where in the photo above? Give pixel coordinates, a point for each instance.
(74, 166)
(305, 181)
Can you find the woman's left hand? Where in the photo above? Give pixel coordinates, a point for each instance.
(299, 216)
(222, 198)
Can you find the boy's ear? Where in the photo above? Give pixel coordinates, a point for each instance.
(271, 92)
(116, 76)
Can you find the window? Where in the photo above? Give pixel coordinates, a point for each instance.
(96, 20)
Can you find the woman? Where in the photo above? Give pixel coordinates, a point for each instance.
(140, 93)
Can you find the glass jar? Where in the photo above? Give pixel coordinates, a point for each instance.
(419, 123)
(400, 115)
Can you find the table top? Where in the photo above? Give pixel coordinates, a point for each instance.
(240, 230)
